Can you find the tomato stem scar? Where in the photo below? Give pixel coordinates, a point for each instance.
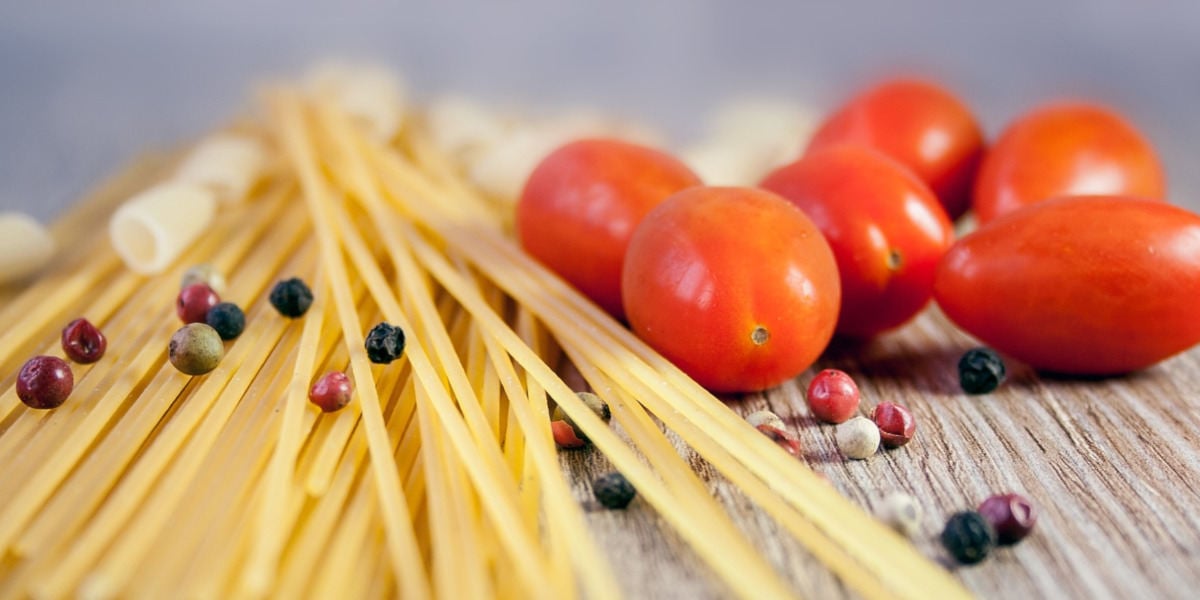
(760, 335)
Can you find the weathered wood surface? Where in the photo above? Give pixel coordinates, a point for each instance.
(1112, 464)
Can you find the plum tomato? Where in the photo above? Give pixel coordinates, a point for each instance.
(919, 124)
(1085, 285)
(581, 204)
(1066, 149)
(886, 229)
(734, 285)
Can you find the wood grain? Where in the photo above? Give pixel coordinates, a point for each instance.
(1111, 465)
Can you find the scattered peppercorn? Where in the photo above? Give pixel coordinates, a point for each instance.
(613, 490)
(781, 437)
(980, 371)
(205, 274)
(194, 302)
(1011, 515)
(858, 438)
(896, 424)
(901, 512)
(385, 343)
(195, 349)
(565, 435)
(331, 392)
(833, 396)
(228, 319)
(765, 417)
(45, 382)
(82, 342)
(291, 297)
(968, 537)
(598, 407)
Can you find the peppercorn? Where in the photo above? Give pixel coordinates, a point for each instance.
(385, 343)
(901, 512)
(858, 438)
(227, 319)
(291, 297)
(205, 274)
(1011, 515)
(968, 537)
(565, 435)
(833, 396)
(781, 437)
(82, 342)
(195, 349)
(613, 490)
(331, 392)
(194, 302)
(598, 407)
(45, 382)
(980, 371)
(765, 417)
(896, 425)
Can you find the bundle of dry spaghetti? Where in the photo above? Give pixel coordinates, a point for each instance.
(441, 478)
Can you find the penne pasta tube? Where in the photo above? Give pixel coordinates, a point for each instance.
(151, 229)
(227, 163)
(372, 95)
(25, 246)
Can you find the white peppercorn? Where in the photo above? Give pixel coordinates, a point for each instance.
(858, 438)
(206, 274)
(901, 512)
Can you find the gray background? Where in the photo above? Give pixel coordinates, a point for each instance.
(85, 88)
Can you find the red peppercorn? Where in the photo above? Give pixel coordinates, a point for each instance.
(896, 424)
(1011, 515)
(781, 437)
(833, 396)
(194, 301)
(331, 392)
(564, 435)
(45, 382)
(82, 342)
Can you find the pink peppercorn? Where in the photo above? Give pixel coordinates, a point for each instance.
(781, 437)
(331, 392)
(896, 424)
(833, 396)
(564, 435)
(45, 382)
(82, 342)
(1011, 515)
(194, 301)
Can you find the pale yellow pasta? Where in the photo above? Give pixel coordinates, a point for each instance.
(25, 246)
(153, 228)
(227, 163)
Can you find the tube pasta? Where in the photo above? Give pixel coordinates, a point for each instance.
(25, 246)
(227, 163)
(151, 229)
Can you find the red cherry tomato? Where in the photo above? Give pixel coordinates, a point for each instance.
(581, 204)
(734, 285)
(886, 229)
(1084, 285)
(921, 125)
(1066, 150)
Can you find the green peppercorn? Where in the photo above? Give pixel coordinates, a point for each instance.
(291, 297)
(227, 319)
(968, 537)
(980, 371)
(612, 490)
(384, 343)
(195, 349)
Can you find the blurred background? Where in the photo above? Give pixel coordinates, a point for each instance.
(87, 88)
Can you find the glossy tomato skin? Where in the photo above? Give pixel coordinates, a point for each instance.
(886, 228)
(581, 204)
(734, 285)
(1080, 285)
(1066, 149)
(919, 124)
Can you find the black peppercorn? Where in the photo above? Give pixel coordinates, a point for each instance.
(613, 490)
(980, 371)
(227, 319)
(385, 343)
(291, 297)
(968, 537)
